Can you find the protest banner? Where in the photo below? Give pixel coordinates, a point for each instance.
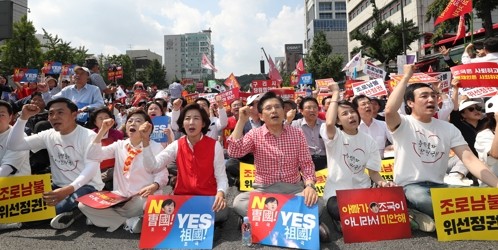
(373, 71)
(160, 124)
(465, 213)
(190, 98)
(483, 74)
(323, 84)
(19, 74)
(211, 97)
(370, 88)
(102, 199)
(263, 86)
(31, 75)
(244, 95)
(306, 79)
(229, 96)
(283, 220)
(417, 77)
(478, 92)
(373, 214)
(247, 174)
(178, 222)
(444, 78)
(21, 198)
(284, 93)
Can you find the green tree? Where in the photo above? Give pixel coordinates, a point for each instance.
(126, 64)
(23, 49)
(320, 61)
(156, 73)
(61, 51)
(483, 9)
(384, 43)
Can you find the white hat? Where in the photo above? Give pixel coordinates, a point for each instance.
(467, 103)
(492, 105)
(252, 98)
(161, 95)
(82, 68)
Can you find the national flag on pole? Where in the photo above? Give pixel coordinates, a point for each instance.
(232, 82)
(461, 29)
(300, 67)
(273, 74)
(355, 61)
(206, 63)
(454, 9)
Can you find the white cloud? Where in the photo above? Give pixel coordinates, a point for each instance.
(240, 28)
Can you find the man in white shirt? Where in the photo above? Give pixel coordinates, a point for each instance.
(490, 50)
(422, 144)
(67, 143)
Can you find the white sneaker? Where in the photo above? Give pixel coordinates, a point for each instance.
(455, 179)
(88, 222)
(133, 225)
(10, 226)
(424, 222)
(62, 220)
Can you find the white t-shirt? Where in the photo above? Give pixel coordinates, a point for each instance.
(16, 159)
(347, 158)
(484, 141)
(379, 132)
(421, 149)
(68, 156)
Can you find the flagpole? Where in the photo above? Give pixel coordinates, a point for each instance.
(471, 26)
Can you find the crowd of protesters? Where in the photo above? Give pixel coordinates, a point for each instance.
(67, 129)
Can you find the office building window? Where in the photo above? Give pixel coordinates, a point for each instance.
(340, 5)
(324, 6)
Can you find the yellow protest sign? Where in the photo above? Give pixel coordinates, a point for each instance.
(386, 169)
(21, 198)
(248, 172)
(465, 213)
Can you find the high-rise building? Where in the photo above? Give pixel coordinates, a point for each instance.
(293, 53)
(328, 16)
(183, 55)
(12, 11)
(142, 58)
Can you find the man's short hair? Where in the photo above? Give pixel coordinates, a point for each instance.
(70, 104)
(203, 99)
(266, 97)
(491, 44)
(90, 63)
(307, 99)
(325, 99)
(7, 105)
(357, 99)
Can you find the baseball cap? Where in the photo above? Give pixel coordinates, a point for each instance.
(251, 99)
(82, 68)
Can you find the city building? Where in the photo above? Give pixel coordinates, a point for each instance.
(142, 58)
(12, 11)
(328, 16)
(293, 53)
(183, 56)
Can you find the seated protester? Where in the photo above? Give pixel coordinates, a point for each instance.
(200, 161)
(121, 116)
(325, 107)
(52, 85)
(217, 123)
(487, 141)
(11, 163)
(25, 89)
(418, 168)
(310, 125)
(291, 106)
(131, 179)
(5, 89)
(371, 126)
(178, 105)
(95, 123)
(73, 174)
(361, 149)
(281, 157)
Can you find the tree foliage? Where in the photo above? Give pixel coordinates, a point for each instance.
(384, 42)
(156, 73)
(320, 61)
(483, 9)
(23, 49)
(60, 51)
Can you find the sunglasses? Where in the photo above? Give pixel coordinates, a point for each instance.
(471, 109)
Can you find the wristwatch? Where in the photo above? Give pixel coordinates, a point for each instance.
(311, 185)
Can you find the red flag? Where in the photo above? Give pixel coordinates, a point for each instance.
(454, 9)
(273, 73)
(430, 70)
(232, 82)
(461, 29)
(206, 63)
(300, 67)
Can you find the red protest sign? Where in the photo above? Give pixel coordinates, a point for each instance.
(417, 77)
(482, 74)
(190, 98)
(285, 94)
(230, 95)
(102, 199)
(373, 214)
(244, 95)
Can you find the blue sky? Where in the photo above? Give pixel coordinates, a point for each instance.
(240, 27)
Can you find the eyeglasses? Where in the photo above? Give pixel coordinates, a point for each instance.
(310, 108)
(471, 109)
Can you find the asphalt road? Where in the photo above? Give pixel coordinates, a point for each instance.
(81, 236)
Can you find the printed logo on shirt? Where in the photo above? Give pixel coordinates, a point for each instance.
(355, 160)
(63, 157)
(427, 147)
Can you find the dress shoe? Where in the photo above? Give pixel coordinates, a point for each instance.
(324, 233)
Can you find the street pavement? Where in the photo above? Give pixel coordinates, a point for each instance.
(80, 236)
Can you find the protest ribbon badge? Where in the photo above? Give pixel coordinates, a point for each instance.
(373, 214)
(21, 198)
(465, 213)
(178, 222)
(283, 220)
